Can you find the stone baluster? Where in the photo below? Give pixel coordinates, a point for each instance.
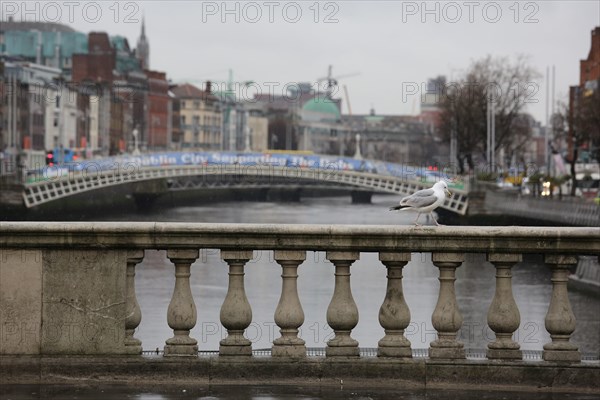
(342, 313)
(236, 313)
(503, 315)
(394, 315)
(133, 311)
(181, 314)
(560, 320)
(446, 318)
(289, 315)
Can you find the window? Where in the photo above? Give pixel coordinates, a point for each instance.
(183, 120)
(183, 104)
(197, 105)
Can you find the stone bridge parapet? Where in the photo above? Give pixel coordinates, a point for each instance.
(68, 307)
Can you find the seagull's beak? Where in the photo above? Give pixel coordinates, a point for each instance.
(449, 193)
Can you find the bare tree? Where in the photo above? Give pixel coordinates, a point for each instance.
(510, 85)
(521, 137)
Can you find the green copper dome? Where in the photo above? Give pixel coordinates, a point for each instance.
(322, 105)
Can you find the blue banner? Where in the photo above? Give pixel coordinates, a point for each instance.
(132, 163)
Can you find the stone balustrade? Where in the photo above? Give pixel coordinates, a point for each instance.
(83, 275)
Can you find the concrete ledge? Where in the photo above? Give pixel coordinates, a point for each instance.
(318, 371)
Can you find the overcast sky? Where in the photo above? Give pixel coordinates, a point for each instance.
(392, 44)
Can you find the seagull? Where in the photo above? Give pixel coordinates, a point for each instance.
(425, 201)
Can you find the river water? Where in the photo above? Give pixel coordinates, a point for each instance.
(474, 286)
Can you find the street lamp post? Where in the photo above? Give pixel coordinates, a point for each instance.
(357, 153)
(247, 133)
(136, 150)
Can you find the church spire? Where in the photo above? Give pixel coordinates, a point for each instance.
(142, 50)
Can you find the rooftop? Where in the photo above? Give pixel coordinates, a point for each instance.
(322, 105)
(189, 91)
(12, 25)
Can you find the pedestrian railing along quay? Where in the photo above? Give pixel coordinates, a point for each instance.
(69, 288)
(572, 213)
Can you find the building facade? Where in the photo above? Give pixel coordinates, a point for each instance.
(61, 117)
(43, 43)
(40, 111)
(258, 130)
(589, 78)
(393, 138)
(159, 106)
(112, 91)
(589, 69)
(201, 117)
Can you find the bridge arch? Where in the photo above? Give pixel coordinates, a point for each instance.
(70, 184)
(184, 171)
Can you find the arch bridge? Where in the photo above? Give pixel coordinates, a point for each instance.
(189, 171)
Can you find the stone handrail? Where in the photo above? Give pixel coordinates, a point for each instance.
(173, 235)
(82, 276)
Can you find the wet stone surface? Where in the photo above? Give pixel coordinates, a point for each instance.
(114, 392)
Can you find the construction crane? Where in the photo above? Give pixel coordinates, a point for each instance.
(332, 81)
(357, 152)
(347, 100)
(229, 91)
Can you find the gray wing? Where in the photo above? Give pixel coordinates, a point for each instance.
(423, 193)
(422, 198)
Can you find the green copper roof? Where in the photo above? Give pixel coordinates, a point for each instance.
(25, 43)
(374, 118)
(322, 105)
(119, 43)
(125, 59)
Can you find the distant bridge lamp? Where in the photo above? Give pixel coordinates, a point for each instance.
(136, 150)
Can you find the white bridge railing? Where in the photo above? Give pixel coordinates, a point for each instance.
(71, 183)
